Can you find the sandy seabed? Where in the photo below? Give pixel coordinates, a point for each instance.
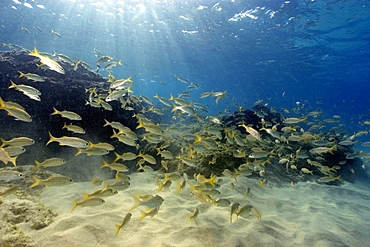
(310, 214)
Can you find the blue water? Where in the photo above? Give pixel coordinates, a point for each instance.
(280, 51)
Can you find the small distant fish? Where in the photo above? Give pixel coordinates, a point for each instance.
(295, 120)
(328, 179)
(305, 170)
(126, 219)
(94, 201)
(26, 30)
(181, 79)
(56, 33)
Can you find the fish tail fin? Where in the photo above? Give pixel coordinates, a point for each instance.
(198, 138)
(136, 202)
(188, 217)
(178, 190)
(64, 126)
(106, 122)
(75, 204)
(14, 160)
(211, 181)
(85, 195)
(2, 104)
(34, 53)
(38, 164)
(105, 164)
(3, 142)
(117, 157)
(55, 111)
(12, 84)
(140, 125)
(37, 182)
(118, 228)
(143, 214)
(21, 74)
(79, 151)
(51, 139)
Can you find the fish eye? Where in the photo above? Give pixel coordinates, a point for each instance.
(20, 174)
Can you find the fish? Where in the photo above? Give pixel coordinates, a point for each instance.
(49, 163)
(14, 150)
(151, 213)
(244, 211)
(74, 128)
(322, 150)
(112, 64)
(10, 175)
(94, 201)
(233, 208)
(68, 141)
(251, 131)
(18, 141)
(125, 220)
(305, 170)
(328, 179)
(103, 59)
(201, 179)
(148, 158)
(206, 94)
(50, 181)
(222, 202)
(115, 166)
(119, 185)
(256, 213)
(100, 193)
(33, 77)
(67, 114)
(181, 79)
(125, 156)
(9, 191)
(193, 215)
(173, 176)
(347, 143)
(26, 30)
(55, 33)
(17, 113)
(53, 65)
(261, 182)
(153, 202)
(295, 120)
(4, 157)
(180, 186)
(92, 151)
(96, 181)
(24, 88)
